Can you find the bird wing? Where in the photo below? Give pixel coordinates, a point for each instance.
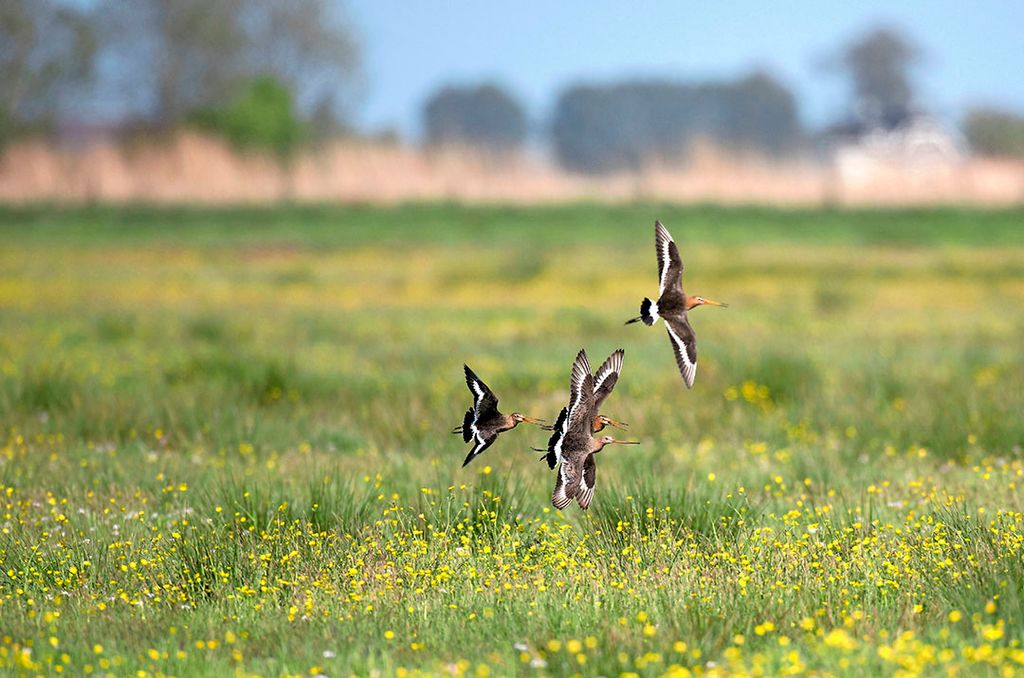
(480, 443)
(670, 264)
(577, 417)
(606, 377)
(485, 403)
(684, 346)
(567, 483)
(588, 480)
(581, 394)
(555, 441)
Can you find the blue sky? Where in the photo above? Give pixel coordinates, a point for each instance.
(974, 52)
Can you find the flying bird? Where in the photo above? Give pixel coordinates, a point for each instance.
(575, 450)
(604, 381)
(673, 305)
(483, 422)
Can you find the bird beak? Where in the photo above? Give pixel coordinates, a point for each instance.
(626, 442)
(621, 425)
(712, 302)
(531, 420)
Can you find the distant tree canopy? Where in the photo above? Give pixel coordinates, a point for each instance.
(47, 54)
(262, 116)
(994, 132)
(486, 116)
(626, 125)
(878, 64)
(181, 56)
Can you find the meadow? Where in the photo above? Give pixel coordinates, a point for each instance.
(225, 447)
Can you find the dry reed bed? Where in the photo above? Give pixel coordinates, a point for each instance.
(196, 169)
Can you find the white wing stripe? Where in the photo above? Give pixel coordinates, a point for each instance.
(559, 499)
(586, 493)
(561, 438)
(580, 374)
(665, 264)
(612, 366)
(689, 367)
(478, 391)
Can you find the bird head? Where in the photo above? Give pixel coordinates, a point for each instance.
(516, 417)
(605, 421)
(694, 302)
(608, 440)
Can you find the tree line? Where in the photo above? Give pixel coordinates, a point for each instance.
(630, 124)
(623, 126)
(259, 72)
(275, 75)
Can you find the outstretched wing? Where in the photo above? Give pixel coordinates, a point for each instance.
(555, 441)
(577, 416)
(606, 377)
(485, 403)
(480, 443)
(581, 394)
(567, 484)
(670, 264)
(684, 346)
(588, 480)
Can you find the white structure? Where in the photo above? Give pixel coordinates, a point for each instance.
(921, 143)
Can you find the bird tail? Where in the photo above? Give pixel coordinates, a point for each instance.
(548, 456)
(466, 429)
(648, 313)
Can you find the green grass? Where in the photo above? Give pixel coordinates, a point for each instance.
(225, 446)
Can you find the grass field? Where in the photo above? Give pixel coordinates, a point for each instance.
(225, 444)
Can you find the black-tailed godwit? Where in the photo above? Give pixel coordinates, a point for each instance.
(673, 305)
(483, 422)
(576, 447)
(604, 381)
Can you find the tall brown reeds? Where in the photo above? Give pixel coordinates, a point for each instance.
(191, 168)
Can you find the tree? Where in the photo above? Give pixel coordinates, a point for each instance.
(878, 64)
(760, 113)
(485, 116)
(263, 115)
(47, 54)
(994, 132)
(624, 126)
(179, 56)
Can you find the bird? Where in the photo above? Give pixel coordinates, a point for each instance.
(483, 422)
(673, 305)
(577, 471)
(604, 381)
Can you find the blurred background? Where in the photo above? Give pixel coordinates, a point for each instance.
(315, 100)
(246, 247)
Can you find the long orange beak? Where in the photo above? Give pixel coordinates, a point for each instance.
(626, 442)
(531, 420)
(618, 424)
(712, 302)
